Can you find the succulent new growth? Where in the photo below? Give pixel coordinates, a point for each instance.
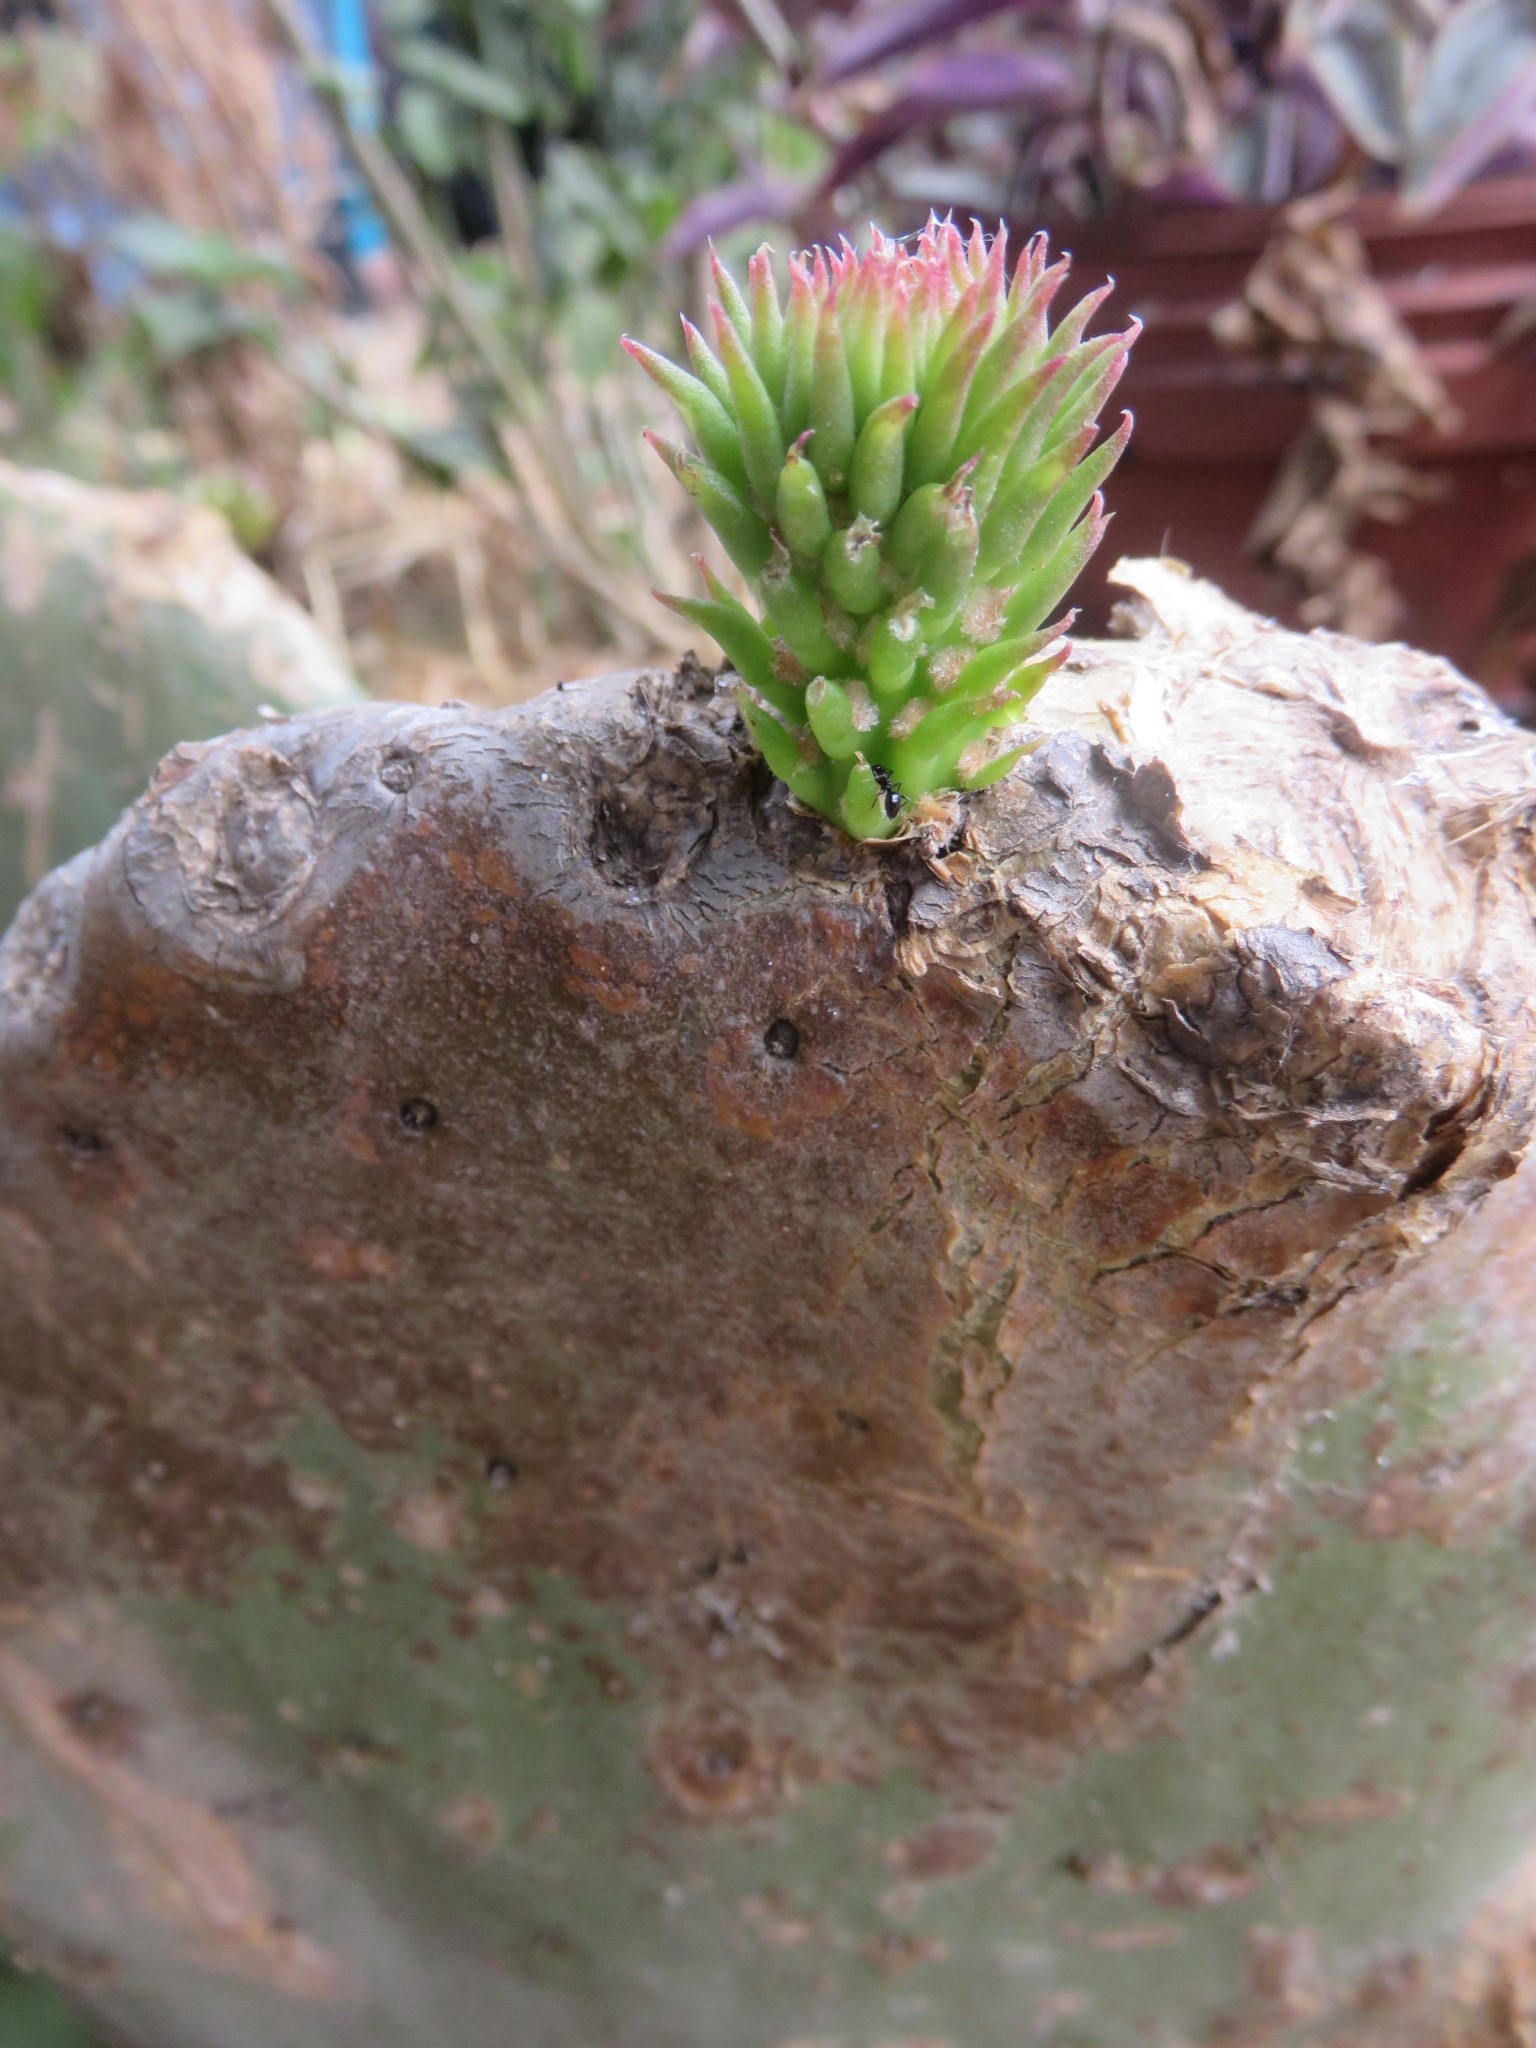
(901, 463)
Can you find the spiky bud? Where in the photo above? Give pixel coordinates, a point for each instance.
(901, 463)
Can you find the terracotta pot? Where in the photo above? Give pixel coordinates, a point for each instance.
(1211, 426)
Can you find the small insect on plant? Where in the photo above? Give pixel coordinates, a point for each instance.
(901, 463)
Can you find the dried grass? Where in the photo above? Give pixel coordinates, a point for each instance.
(202, 124)
(1312, 305)
(432, 593)
(488, 590)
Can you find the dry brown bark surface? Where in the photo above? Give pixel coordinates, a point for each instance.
(889, 1281)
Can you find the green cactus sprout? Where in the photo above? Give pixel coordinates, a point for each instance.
(901, 463)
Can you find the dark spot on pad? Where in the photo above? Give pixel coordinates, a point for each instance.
(500, 1474)
(1149, 798)
(553, 1941)
(655, 812)
(782, 1039)
(1436, 1164)
(82, 1144)
(106, 1724)
(398, 772)
(418, 1115)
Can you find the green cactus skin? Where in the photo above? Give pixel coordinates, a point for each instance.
(902, 465)
(1001, 1514)
(33, 2015)
(129, 622)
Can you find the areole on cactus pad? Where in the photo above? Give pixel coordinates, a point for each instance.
(901, 464)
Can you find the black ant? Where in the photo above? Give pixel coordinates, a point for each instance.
(890, 795)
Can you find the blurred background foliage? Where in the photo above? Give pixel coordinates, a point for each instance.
(431, 444)
(32, 2014)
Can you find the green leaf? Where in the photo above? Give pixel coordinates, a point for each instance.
(769, 346)
(757, 418)
(800, 331)
(1075, 493)
(701, 411)
(831, 714)
(995, 770)
(850, 568)
(743, 535)
(181, 324)
(743, 642)
(831, 403)
(865, 807)
(809, 780)
(919, 528)
(931, 450)
(1479, 85)
(1046, 585)
(895, 642)
(801, 508)
(1104, 365)
(427, 129)
(796, 617)
(462, 78)
(1363, 57)
(168, 251)
(728, 294)
(879, 458)
(1006, 662)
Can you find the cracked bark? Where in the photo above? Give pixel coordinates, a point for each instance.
(918, 1387)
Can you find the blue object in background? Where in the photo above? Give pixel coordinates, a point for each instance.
(344, 26)
(60, 195)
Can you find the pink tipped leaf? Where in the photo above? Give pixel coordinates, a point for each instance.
(1079, 487)
(1005, 658)
(969, 314)
(1093, 385)
(875, 482)
(800, 327)
(768, 339)
(757, 417)
(1044, 588)
(864, 327)
(742, 532)
(707, 367)
(1009, 355)
(1071, 329)
(897, 374)
(832, 410)
(705, 417)
(729, 295)
(995, 436)
(931, 447)
(744, 643)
